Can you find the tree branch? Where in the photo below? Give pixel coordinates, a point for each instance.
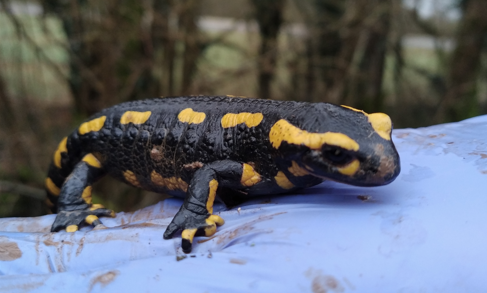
(22, 190)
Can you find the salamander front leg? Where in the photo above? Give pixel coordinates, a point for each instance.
(74, 204)
(195, 216)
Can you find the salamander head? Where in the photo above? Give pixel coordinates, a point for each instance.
(340, 143)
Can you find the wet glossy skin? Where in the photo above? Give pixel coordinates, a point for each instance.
(201, 147)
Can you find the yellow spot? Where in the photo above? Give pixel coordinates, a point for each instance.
(52, 188)
(296, 170)
(90, 219)
(131, 178)
(188, 234)
(212, 222)
(285, 131)
(232, 120)
(189, 116)
(211, 195)
(356, 110)
(211, 229)
(72, 228)
(86, 195)
(249, 176)
(381, 122)
(282, 181)
(60, 149)
(350, 169)
(91, 160)
(216, 219)
(171, 183)
(135, 117)
(92, 125)
(96, 206)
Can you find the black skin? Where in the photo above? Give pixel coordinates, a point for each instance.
(197, 153)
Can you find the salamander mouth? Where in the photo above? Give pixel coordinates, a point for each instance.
(357, 174)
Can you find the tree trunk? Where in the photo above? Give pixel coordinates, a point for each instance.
(7, 118)
(326, 38)
(111, 54)
(364, 87)
(351, 44)
(163, 37)
(191, 40)
(268, 14)
(460, 99)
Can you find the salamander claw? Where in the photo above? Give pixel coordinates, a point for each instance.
(192, 224)
(71, 220)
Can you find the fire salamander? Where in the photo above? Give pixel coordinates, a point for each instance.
(201, 147)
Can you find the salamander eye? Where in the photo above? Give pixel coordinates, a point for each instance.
(336, 155)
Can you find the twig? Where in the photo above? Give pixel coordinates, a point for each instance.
(22, 190)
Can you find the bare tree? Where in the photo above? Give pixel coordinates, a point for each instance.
(348, 48)
(268, 14)
(460, 100)
(364, 88)
(118, 48)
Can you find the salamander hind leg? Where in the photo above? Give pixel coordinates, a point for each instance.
(74, 205)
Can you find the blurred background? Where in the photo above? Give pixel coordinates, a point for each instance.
(421, 61)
